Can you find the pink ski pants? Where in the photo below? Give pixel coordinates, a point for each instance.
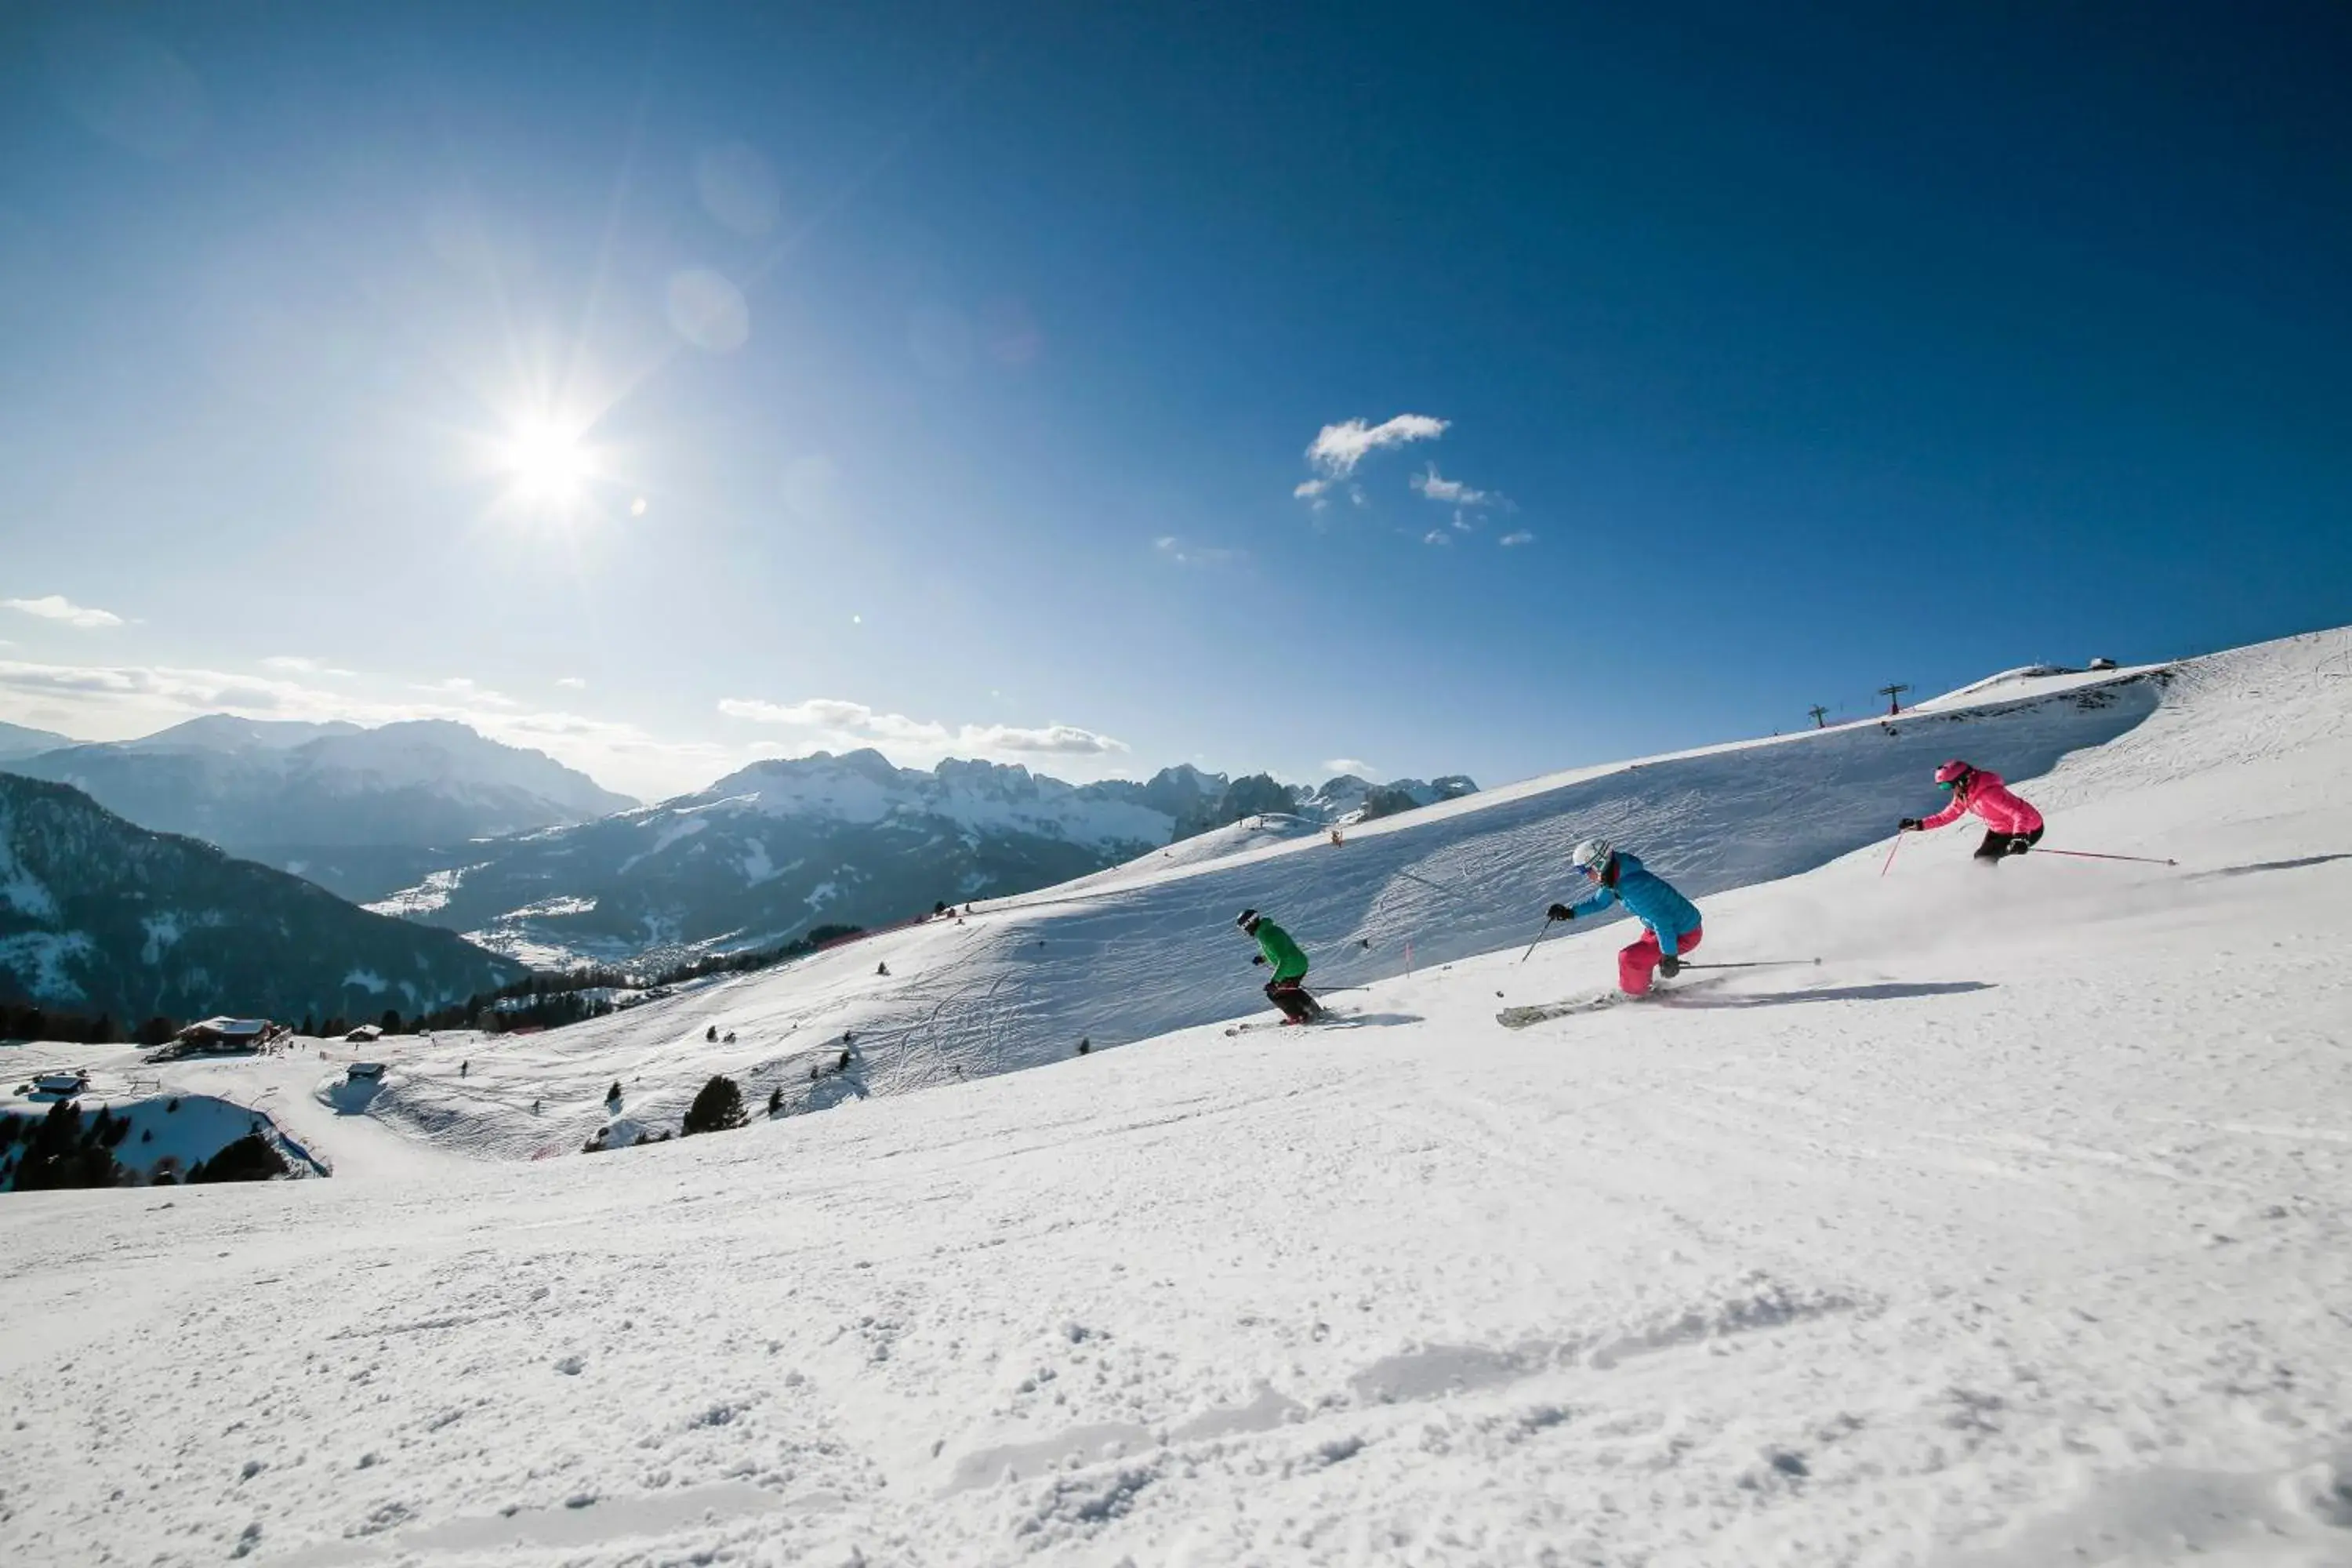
(1636, 963)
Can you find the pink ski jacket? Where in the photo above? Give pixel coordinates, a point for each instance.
(1985, 794)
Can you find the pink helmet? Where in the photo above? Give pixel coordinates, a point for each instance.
(1955, 772)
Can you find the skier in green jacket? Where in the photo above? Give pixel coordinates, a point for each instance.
(1288, 989)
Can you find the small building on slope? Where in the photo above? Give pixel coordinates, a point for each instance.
(228, 1035)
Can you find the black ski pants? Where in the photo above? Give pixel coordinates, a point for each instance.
(1290, 995)
(1999, 847)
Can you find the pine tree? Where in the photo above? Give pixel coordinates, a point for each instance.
(249, 1159)
(63, 1153)
(718, 1109)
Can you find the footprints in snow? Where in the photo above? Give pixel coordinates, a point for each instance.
(1753, 1304)
(1758, 1302)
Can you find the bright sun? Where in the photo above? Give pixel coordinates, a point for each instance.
(549, 466)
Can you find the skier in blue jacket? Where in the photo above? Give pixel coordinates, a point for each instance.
(1671, 921)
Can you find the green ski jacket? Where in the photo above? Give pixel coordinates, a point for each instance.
(1289, 964)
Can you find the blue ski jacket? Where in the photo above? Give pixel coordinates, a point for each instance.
(1649, 898)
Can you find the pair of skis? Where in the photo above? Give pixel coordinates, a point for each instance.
(1323, 1020)
(1520, 1018)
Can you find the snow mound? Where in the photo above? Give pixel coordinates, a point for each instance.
(2026, 681)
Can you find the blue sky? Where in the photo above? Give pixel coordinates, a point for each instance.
(668, 385)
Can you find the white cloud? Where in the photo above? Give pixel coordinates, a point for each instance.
(1184, 553)
(572, 683)
(1310, 489)
(1356, 766)
(816, 710)
(1453, 492)
(1437, 536)
(1461, 523)
(461, 688)
(1054, 740)
(831, 724)
(1337, 448)
(1521, 537)
(57, 607)
(118, 702)
(297, 664)
(193, 691)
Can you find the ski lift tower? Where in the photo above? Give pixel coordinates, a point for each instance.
(1821, 716)
(1894, 695)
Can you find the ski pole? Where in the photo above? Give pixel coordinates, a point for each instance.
(1760, 964)
(1449, 892)
(2088, 855)
(1539, 936)
(1890, 854)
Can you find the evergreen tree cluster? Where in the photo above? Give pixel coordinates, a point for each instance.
(30, 1021)
(66, 1148)
(250, 1158)
(63, 1149)
(548, 1000)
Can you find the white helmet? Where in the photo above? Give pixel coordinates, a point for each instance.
(1591, 855)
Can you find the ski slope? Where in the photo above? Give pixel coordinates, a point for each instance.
(2015, 1232)
(1139, 951)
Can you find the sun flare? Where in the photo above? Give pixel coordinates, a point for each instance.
(548, 465)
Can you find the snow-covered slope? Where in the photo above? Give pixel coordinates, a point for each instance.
(2014, 1233)
(1133, 952)
(2025, 680)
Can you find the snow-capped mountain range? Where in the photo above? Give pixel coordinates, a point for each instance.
(348, 806)
(768, 852)
(431, 821)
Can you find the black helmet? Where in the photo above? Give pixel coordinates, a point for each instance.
(1247, 920)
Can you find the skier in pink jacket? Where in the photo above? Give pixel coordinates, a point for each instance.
(2011, 826)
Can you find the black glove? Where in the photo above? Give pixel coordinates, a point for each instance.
(2019, 847)
(1560, 912)
(1670, 966)
(1259, 959)
(1909, 825)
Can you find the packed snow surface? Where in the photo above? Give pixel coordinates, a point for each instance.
(2014, 1231)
